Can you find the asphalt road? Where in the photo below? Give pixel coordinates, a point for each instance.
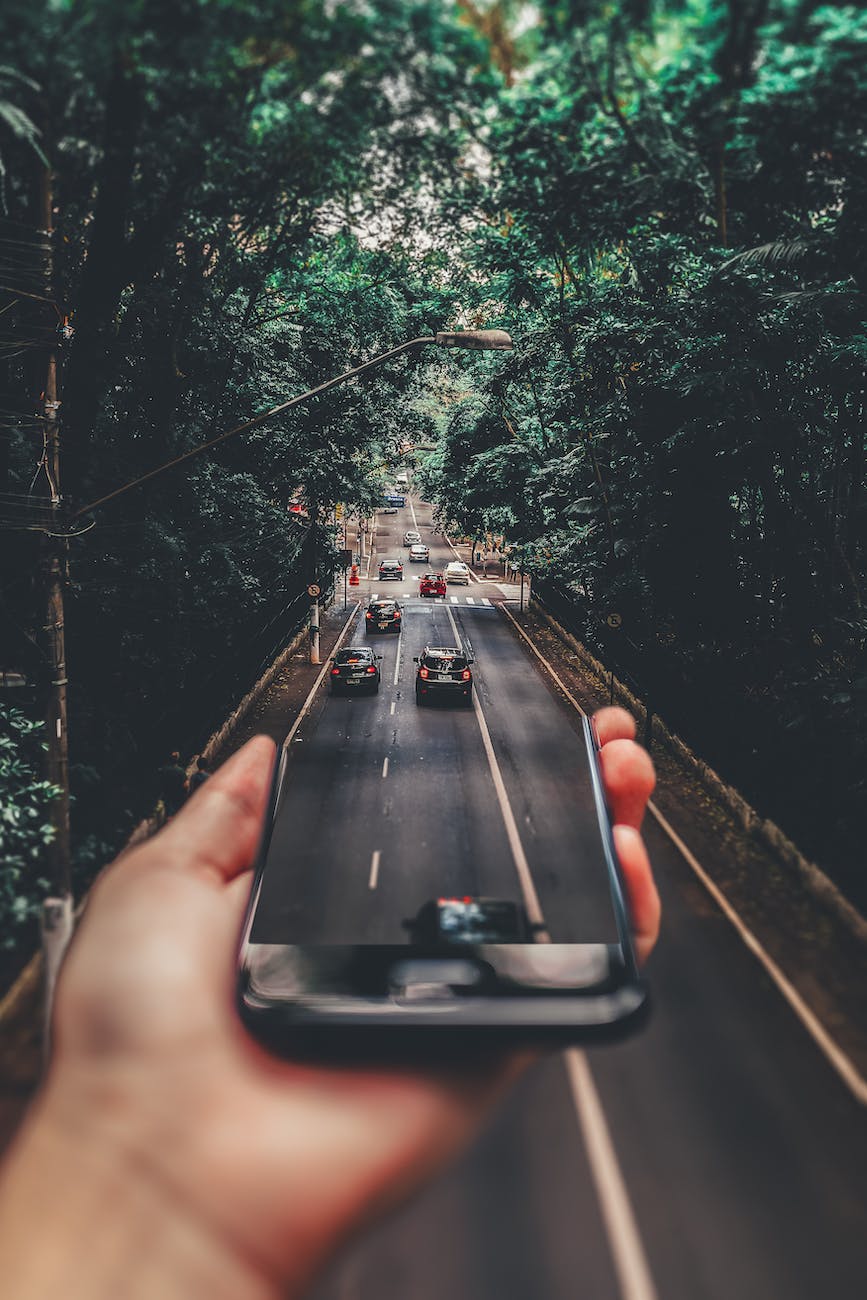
(724, 1158)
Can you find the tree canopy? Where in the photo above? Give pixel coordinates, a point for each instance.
(665, 204)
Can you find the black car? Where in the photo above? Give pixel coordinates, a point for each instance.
(391, 569)
(383, 616)
(469, 920)
(355, 669)
(443, 673)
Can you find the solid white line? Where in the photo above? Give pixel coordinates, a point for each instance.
(412, 512)
(391, 710)
(385, 767)
(624, 1240)
(374, 869)
(528, 889)
(836, 1057)
(315, 687)
(397, 658)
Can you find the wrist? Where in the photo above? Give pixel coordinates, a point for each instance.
(87, 1212)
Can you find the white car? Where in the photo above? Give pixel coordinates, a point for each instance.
(411, 537)
(457, 571)
(419, 554)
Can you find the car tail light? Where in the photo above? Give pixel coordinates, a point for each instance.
(368, 616)
(372, 668)
(335, 672)
(397, 613)
(466, 675)
(423, 672)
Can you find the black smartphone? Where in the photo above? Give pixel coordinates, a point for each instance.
(462, 971)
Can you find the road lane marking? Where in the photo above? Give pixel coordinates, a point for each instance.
(412, 512)
(624, 1239)
(836, 1057)
(315, 687)
(528, 889)
(485, 600)
(385, 767)
(374, 869)
(470, 600)
(391, 710)
(397, 658)
(453, 599)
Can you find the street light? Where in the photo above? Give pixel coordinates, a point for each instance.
(477, 340)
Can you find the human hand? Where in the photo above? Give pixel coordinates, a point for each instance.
(248, 1170)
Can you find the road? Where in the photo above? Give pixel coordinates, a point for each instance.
(717, 1155)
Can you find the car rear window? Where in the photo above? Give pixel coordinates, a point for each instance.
(352, 657)
(384, 607)
(443, 662)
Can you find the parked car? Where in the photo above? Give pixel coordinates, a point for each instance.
(388, 510)
(469, 920)
(411, 537)
(383, 616)
(419, 554)
(443, 673)
(458, 572)
(355, 669)
(432, 584)
(390, 569)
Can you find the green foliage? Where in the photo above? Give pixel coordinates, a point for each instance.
(25, 825)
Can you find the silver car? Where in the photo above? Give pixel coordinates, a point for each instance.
(458, 572)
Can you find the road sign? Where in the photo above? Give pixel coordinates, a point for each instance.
(614, 621)
(313, 591)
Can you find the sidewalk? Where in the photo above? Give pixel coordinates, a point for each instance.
(491, 568)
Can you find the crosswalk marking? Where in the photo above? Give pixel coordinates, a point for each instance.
(436, 600)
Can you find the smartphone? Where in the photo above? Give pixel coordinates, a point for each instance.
(462, 971)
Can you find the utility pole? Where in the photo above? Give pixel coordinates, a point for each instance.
(57, 909)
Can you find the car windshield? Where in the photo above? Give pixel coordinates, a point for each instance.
(353, 657)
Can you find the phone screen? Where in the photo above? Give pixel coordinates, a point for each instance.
(421, 905)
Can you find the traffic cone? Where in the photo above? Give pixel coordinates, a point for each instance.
(354, 579)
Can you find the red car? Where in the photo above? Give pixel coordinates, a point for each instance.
(432, 584)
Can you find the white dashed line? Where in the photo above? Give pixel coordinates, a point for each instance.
(485, 600)
(470, 600)
(385, 767)
(391, 710)
(374, 869)
(453, 599)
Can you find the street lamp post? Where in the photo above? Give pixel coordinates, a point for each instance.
(477, 340)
